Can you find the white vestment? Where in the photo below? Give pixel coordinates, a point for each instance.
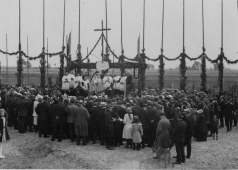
(107, 82)
(65, 83)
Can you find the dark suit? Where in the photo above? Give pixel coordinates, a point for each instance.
(22, 115)
(179, 138)
(43, 112)
(152, 127)
(101, 122)
(93, 123)
(189, 133)
(59, 113)
(145, 121)
(228, 116)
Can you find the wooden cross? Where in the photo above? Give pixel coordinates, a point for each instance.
(102, 29)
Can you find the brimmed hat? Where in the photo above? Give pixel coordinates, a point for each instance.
(129, 110)
(161, 113)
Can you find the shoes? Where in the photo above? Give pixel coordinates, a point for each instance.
(176, 162)
(210, 135)
(183, 161)
(155, 157)
(110, 148)
(2, 157)
(59, 140)
(174, 156)
(52, 140)
(46, 136)
(188, 157)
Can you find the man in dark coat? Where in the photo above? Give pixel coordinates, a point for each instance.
(101, 121)
(179, 138)
(152, 126)
(43, 112)
(129, 83)
(59, 112)
(235, 106)
(93, 123)
(71, 119)
(22, 105)
(189, 133)
(145, 121)
(109, 128)
(222, 112)
(228, 115)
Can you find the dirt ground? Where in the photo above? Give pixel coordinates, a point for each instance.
(28, 151)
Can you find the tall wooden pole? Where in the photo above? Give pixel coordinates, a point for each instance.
(20, 62)
(43, 51)
(183, 25)
(106, 26)
(28, 63)
(143, 50)
(79, 56)
(203, 28)
(122, 51)
(6, 61)
(47, 62)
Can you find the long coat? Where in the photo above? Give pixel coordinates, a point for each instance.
(81, 119)
(162, 134)
(179, 131)
(43, 111)
(144, 118)
(190, 126)
(93, 123)
(137, 132)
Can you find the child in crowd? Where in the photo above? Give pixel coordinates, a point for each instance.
(214, 127)
(3, 130)
(137, 133)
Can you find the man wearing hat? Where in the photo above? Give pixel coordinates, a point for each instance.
(162, 134)
(101, 122)
(71, 119)
(93, 123)
(22, 105)
(179, 138)
(81, 123)
(44, 113)
(189, 133)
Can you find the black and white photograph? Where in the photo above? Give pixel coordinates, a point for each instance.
(118, 84)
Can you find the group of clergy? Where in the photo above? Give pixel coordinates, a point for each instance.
(98, 82)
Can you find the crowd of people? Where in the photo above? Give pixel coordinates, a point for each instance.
(154, 119)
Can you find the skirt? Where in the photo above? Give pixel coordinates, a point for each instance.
(35, 119)
(127, 132)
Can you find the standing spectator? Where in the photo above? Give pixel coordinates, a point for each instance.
(22, 105)
(215, 123)
(59, 112)
(228, 115)
(189, 133)
(81, 122)
(235, 106)
(179, 138)
(109, 128)
(137, 133)
(93, 123)
(71, 119)
(128, 119)
(43, 112)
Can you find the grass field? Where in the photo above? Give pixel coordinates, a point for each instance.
(171, 78)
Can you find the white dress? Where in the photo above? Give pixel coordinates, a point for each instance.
(35, 116)
(127, 127)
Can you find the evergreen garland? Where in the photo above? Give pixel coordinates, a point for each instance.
(203, 74)
(183, 69)
(161, 73)
(42, 71)
(61, 69)
(220, 69)
(19, 70)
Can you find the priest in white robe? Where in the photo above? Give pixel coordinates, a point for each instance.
(122, 89)
(71, 79)
(107, 81)
(65, 82)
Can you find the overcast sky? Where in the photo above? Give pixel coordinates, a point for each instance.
(93, 11)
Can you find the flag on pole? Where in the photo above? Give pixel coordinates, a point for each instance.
(138, 47)
(69, 45)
